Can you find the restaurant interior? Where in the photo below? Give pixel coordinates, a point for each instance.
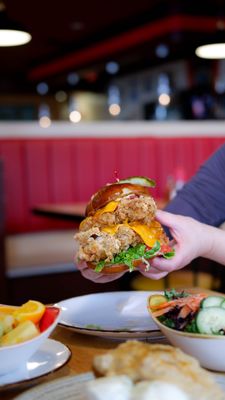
(93, 93)
(100, 90)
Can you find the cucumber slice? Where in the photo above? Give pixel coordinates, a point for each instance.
(222, 305)
(139, 180)
(211, 320)
(212, 301)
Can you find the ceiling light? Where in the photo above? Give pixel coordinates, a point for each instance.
(73, 78)
(112, 67)
(9, 37)
(75, 116)
(45, 122)
(42, 88)
(61, 96)
(164, 99)
(114, 109)
(11, 33)
(211, 51)
(162, 50)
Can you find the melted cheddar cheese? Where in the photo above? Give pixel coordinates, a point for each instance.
(149, 235)
(110, 207)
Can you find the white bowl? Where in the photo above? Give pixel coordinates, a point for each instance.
(208, 349)
(15, 356)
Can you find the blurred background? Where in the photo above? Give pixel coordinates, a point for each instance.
(120, 60)
(93, 91)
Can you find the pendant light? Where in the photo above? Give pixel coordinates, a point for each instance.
(214, 49)
(11, 33)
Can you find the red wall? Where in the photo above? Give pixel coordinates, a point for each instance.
(66, 170)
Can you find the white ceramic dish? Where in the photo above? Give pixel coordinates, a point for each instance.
(71, 388)
(13, 357)
(110, 314)
(51, 356)
(208, 349)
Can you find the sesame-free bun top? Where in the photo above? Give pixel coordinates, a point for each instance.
(112, 192)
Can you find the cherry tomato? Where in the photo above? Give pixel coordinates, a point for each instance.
(165, 248)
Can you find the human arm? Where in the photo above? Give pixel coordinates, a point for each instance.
(203, 197)
(191, 239)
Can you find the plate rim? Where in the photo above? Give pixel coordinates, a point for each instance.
(117, 333)
(77, 379)
(23, 382)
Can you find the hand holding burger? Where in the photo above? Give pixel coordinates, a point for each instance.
(120, 232)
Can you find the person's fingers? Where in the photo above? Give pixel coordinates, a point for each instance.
(152, 272)
(163, 264)
(155, 275)
(97, 277)
(165, 218)
(81, 265)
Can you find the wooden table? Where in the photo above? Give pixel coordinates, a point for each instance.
(66, 211)
(70, 211)
(83, 348)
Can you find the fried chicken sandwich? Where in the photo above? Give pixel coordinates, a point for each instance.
(120, 231)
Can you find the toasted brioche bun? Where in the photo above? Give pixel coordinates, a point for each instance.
(112, 192)
(115, 268)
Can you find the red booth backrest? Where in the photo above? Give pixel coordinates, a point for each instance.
(71, 169)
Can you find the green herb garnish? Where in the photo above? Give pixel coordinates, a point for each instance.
(169, 254)
(174, 294)
(93, 326)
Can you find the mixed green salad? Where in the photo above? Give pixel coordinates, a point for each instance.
(190, 312)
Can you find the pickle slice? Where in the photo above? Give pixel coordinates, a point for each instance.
(139, 180)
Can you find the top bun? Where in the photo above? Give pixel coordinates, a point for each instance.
(112, 192)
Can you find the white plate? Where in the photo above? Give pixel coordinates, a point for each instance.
(51, 356)
(71, 388)
(112, 314)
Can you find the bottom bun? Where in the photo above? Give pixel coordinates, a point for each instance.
(114, 268)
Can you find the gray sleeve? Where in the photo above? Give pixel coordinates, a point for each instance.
(203, 197)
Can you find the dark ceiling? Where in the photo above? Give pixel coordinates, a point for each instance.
(81, 36)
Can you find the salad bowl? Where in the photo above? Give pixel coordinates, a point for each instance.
(199, 339)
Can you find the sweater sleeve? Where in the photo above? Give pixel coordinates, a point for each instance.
(203, 197)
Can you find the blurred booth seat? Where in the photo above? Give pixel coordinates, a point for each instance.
(3, 279)
(40, 253)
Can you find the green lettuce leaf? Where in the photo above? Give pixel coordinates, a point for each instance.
(128, 256)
